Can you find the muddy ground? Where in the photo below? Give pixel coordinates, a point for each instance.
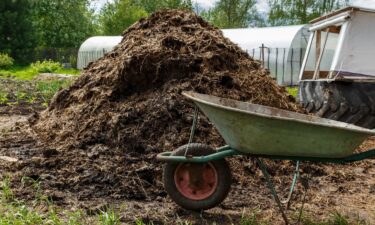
(347, 189)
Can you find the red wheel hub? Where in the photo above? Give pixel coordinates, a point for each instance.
(196, 181)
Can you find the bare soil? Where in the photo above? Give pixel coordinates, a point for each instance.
(348, 189)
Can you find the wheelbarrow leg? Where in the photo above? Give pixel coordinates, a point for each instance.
(294, 182)
(272, 189)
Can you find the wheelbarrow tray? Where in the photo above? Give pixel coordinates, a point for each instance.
(261, 130)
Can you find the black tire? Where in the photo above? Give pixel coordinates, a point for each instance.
(350, 102)
(224, 179)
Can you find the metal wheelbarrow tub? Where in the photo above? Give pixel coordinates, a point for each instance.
(262, 130)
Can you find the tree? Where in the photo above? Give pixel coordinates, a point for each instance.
(63, 23)
(16, 31)
(116, 16)
(233, 14)
(289, 12)
(177, 4)
(151, 6)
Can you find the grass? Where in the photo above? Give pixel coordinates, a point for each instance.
(47, 89)
(41, 210)
(14, 92)
(292, 91)
(28, 73)
(17, 85)
(335, 218)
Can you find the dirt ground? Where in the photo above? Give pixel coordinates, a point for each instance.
(348, 189)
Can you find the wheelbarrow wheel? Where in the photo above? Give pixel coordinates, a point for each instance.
(197, 186)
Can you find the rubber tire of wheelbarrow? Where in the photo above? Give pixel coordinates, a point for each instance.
(223, 173)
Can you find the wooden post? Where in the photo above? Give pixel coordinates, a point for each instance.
(317, 53)
(317, 67)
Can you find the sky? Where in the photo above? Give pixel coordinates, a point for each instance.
(261, 5)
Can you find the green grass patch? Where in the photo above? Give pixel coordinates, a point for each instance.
(17, 84)
(29, 73)
(47, 89)
(13, 92)
(293, 91)
(19, 72)
(335, 218)
(70, 71)
(41, 210)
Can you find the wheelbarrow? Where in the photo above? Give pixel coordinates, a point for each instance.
(198, 177)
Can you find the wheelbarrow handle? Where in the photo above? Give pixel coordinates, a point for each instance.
(168, 157)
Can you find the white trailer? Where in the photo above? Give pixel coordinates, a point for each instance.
(337, 78)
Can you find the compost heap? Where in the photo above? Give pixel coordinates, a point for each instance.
(104, 131)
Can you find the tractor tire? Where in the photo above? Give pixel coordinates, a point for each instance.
(350, 102)
(197, 186)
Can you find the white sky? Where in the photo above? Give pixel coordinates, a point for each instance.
(261, 5)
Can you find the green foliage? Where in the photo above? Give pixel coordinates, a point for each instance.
(19, 72)
(115, 17)
(3, 98)
(34, 92)
(73, 61)
(17, 36)
(63, 23)
(6, 61)
(109, 217)
(75, 218)
(7, 194)
(293, 91)
(19, 214)
(151, 6)
(289, 12)
(249, 220)
(234, 14)
(29, 73)
(47, 89)
(70, 71)
(46, 66)
(13, 211)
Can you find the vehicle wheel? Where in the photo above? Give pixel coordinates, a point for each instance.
(350, 102)
(197, 186)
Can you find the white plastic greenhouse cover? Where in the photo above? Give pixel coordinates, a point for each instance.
(284, 48)
(94, 48)
(271, 37)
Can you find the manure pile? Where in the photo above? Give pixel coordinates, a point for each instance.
(104, 131)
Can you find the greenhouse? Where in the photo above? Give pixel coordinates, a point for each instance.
(94, 48)
(281, 49)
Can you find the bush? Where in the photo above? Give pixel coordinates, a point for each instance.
(47, 66)
(73, 61)
(6, 61)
